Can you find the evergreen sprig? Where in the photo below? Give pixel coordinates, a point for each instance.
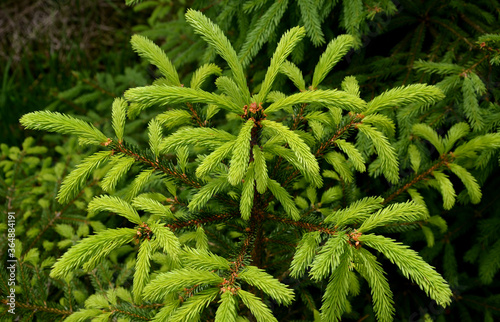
(64, 124)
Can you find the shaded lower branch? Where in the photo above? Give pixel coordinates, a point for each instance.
(304, 225)
(33, 307)
(443, 160)
(131, 314)
(155, 164)
(202, 221)
(355, 118)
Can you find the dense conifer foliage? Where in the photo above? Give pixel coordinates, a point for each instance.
(288, 171)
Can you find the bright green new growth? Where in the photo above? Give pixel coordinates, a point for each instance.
(402, 212)
(301, 150)
(261, 312)
(57, 122)
(145, 97)
(247, 193)
(166, 283)
(371, 270)
(75, 181)
(407, 260)
(156, 56)
(120, 166)
(118, 116)
(268, 284)
(155, 137)
(241, 154)
(113, 204)
(261, 32)
(284, 198)
(335, 50)
(417, 93)
(202, 73)
(290, 167)
(152, 206)
(92, 250)
(212, 34)
(285, 47)
(294, 73)
(387, 154)
(261, 175)
(330, 98)
(227, 308)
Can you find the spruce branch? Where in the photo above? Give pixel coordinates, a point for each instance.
(301, 150)
(335, 50)
(214, 36)
(176, 280)
(203, 260)
(147, 96)
(34, 307)
(329, 98)
(351, 123)
(248, 193)
(335, 301)
(204, 195)
(229, 88)
(285, 47)
(312, 21)
(227, 308)
(154, 164)
(442, 161)
(261, 32)
(75, 181)
(91, 251)
(405, 212)
(156, 56)
(357, 212)
(121, 164)
(302, 224)
(210, 219)
(152, 206)
(412, 266)
(329, 256)
(241, 154)
(268, 284)
(118, 115)
(261, 312)
(446, 189)
(294, 73)
(194, 305)
(207, 137)
(371, 270)
(306, 250)
(113, 204)
(227, 198)
(202, 73)
(387, 154)
(173, 118)
(213, 160)
(64, 124)
(142, 268)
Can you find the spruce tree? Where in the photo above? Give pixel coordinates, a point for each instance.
(247, 198)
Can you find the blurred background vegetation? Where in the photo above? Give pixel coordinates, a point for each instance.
(50, 46)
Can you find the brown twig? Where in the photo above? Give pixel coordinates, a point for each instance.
(443, 160)
(39, 308)
(196, 117)
(303, 225)
(155, 164)
(197, 222)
